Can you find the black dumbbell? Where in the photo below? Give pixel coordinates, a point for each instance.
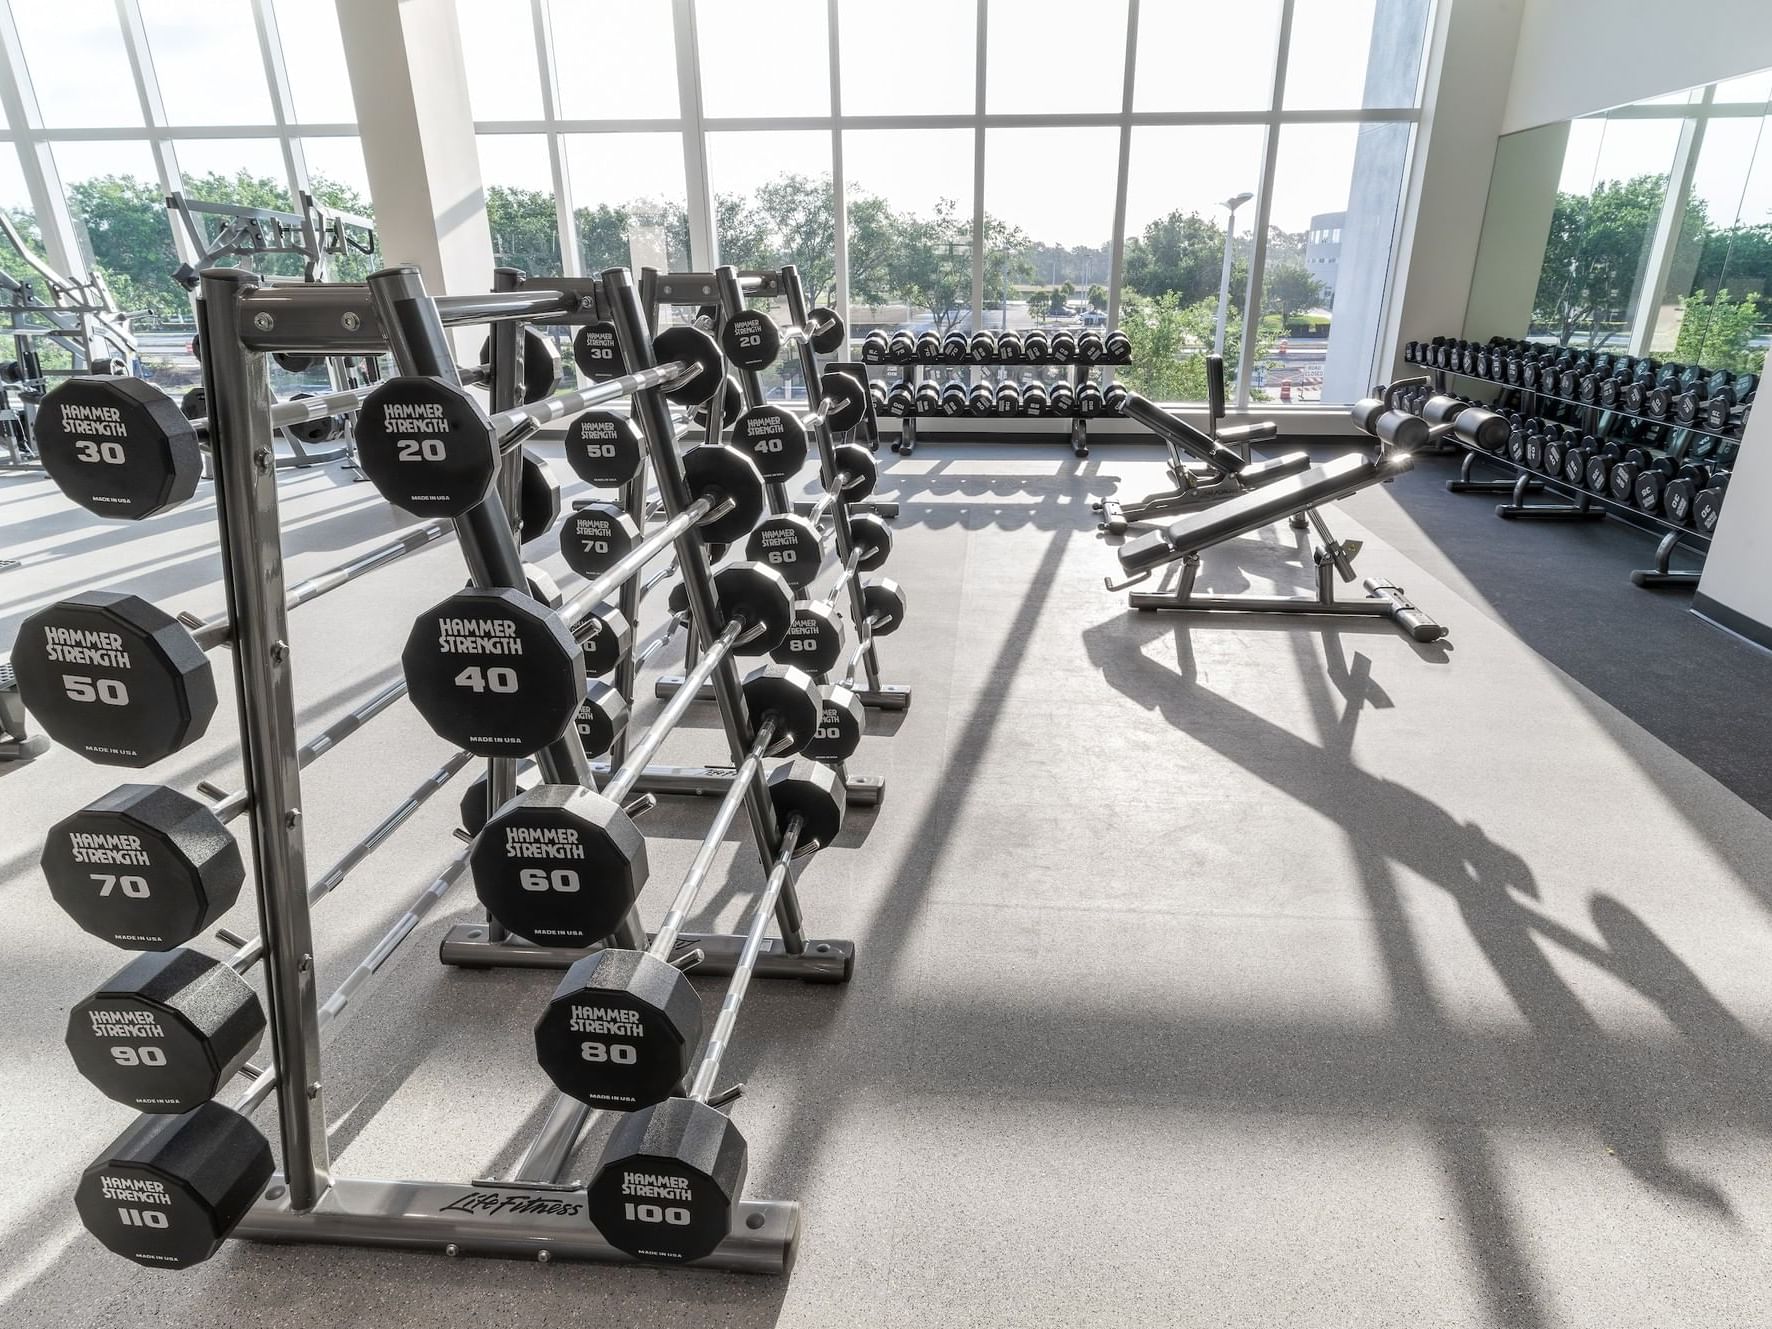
(1113, 399)
(1009, 348)
(982, 346)
(953, 348)
(953, 399)
(1061, 399)
(1678, 494)
(1707, 504)
(1008, 399)
(1118, 346)
(1064, 347)
(981, 400)
(874, 348)
(1037, 347)
(928, 399)
(1033, 397)
(901, 348)
(1091, 348)
(1621, 480)
(901, 399)
(928, 348)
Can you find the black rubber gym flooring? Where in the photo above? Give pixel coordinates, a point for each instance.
(1564, 589)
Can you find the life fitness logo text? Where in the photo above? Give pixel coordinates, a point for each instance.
(494, 1202)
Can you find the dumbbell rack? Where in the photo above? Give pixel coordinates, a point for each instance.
(1587, 505)
(533, 1215)
(730, 289)
(995, 426)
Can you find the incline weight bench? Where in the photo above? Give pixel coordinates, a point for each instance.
(1299, 495)
(1215, 466)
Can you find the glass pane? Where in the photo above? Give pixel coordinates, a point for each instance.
(1596, 301)
(909, 207)
(338, 180)
(628, 201)
(245, 171)
(764, 58)
(520, 208)
(1355, 53)
(498, 44)
(78, 67)
(1251, 28)
(918, 56)
(1755, 88)
(1714, 309)
(314, 62)
(1045, 247)
(773, 206)
(337, 175)
(15, 201)
(121, 222)
(207, 59)
(640, 86)
(1049, 56)
(1176, 256)
(1337, 191)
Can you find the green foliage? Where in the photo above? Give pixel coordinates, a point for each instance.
(1594, 256)
(1098, 298)
(1718, 333)
(1170, 343)
(1289, 288)
(1058, 302)
(1040, 305)
(1181, 253)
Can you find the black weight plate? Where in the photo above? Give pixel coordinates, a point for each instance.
(840, 726)
(716, 470)
(604, 449)
(596, 537)
(597, 352)
(751, 340)
(773, 438)
(426, 446)
(814, 639)
(791, 545)
(870, 533)
(119, 447)
(114, 678)
(494, 672)
(691, 346)
(538, 499)
(789, 694)
(144, 867)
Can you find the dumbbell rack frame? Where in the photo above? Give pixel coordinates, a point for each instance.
(1586, 505)
(729, 287)
(536, 1217)
(909, 427)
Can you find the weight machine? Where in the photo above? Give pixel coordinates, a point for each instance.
(242, 237)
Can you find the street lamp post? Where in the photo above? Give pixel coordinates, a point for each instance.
(1224, 282)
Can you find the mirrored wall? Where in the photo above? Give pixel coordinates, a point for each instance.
(1645, 230)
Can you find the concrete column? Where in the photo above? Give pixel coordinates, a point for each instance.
(410, 84)
(1454, 154)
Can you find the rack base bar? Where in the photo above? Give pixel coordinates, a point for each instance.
(515, 1220)
(887, 697)
(467, 946)
(1382, 601)
(878, 507)
(861, 791)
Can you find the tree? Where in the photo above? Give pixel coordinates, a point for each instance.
(1098, 298)
(1595, 253)
(1180, 252)
(1040, 304)
(1718, 334)
(931, 263)
(1170, 342)
(130, 240)
(525, 229)
(802, 218)
(1291, 289)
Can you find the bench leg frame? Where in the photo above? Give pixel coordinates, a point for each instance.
(1383, 600)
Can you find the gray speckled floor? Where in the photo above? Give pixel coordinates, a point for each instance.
(1263, 973)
